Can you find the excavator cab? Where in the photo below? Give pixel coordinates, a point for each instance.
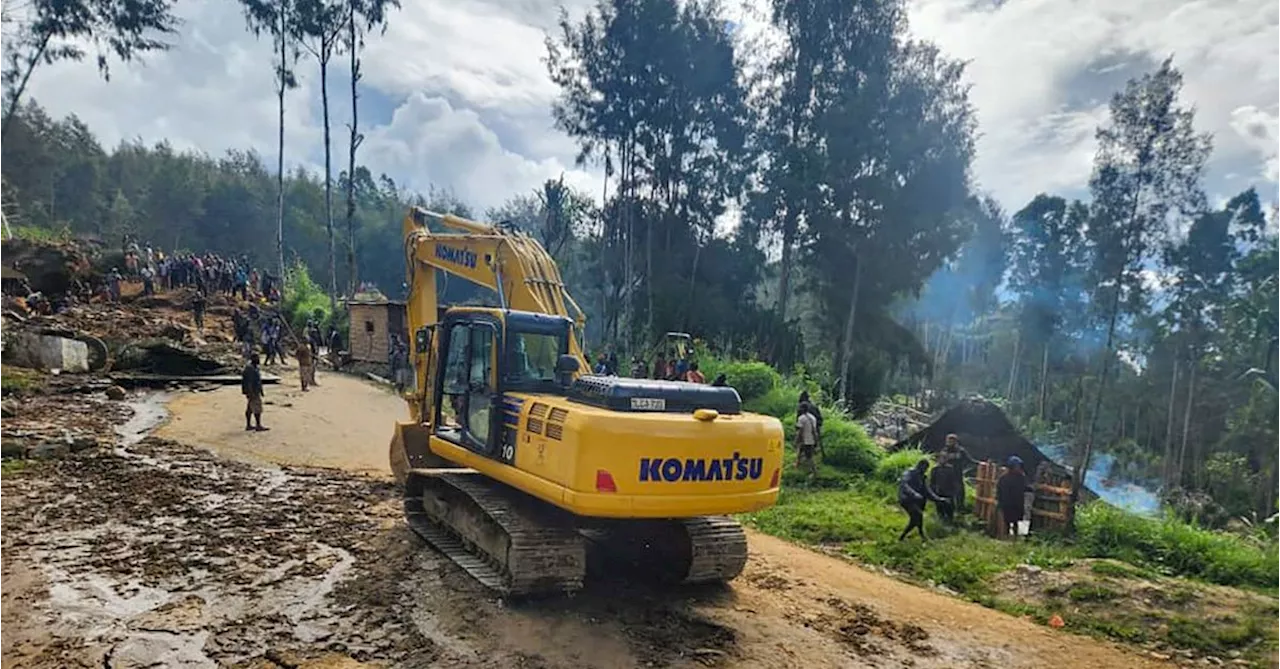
(486, 354)
(680, 342)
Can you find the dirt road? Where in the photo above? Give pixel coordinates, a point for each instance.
(160, 552)
(344, 423)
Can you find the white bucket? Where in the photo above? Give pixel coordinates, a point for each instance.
(1024, 527)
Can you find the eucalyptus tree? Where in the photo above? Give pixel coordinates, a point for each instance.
(279, 19)
(363, 17)
(1146, 175)
(321, 23)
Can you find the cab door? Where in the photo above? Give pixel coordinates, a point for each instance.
(466, 413)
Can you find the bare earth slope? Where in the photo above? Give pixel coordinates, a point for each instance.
(207, 559)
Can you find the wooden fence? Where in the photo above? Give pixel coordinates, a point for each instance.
(1049, 504)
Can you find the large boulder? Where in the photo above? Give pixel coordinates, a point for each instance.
(38, 351)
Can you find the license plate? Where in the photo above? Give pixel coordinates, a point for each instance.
(648, 404)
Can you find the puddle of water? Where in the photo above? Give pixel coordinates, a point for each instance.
(148, 413)
(93, 598)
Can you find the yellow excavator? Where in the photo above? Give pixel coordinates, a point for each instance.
(515, 459)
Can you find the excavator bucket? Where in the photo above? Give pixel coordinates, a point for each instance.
(411, 450)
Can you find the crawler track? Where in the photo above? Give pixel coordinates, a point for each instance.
(520, 546)
(508, 541)
(710, 549)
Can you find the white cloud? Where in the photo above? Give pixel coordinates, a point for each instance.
(1037, 65)
(430, 142)
(461, 99)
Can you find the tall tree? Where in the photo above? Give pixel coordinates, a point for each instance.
(1146, 174)
(363, 16)
(279, 19)
(1048, 265)
(321, 23)
(1203, 264)
(654, 84)
(55, 30)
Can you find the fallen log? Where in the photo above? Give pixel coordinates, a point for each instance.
(144, 380)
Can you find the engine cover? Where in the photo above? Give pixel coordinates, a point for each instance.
(640, 395)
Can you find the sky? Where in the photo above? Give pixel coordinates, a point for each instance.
(455, 93)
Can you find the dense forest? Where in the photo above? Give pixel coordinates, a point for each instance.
(1141, 322)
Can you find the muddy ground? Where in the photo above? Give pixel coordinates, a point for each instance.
(219, 550)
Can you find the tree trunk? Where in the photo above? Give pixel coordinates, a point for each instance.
(352, 279)
(1083, 471)
(847, 354)
(1186, 419)
(784, 265)
(282, 85)
(1013, 368)
(16, 98)
(328, 180)
(1044, 384)
(1168, 433)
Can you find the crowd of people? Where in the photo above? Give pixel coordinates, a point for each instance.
(207, 273)
(946, 489)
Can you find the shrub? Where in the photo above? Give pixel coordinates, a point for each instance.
(1175, 547)
(304, 298)
(845, 445)
(779, 402)
(751, 379)
(892, 465)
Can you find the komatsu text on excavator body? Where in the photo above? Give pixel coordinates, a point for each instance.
(513, 458)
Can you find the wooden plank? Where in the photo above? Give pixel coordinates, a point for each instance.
(1049, 514)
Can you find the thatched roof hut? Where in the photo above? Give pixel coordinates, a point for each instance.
(987, 434)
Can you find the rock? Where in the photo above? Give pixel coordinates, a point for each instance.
(13, 448)
(50, 450)
(8, 409)
(1215, 661)
(1029, 569)
(115, 393)
(37, 351)
(83, 443)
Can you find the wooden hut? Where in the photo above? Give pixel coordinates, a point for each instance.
(987, 434)
(374, 318)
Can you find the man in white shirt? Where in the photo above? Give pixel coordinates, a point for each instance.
(806, 438)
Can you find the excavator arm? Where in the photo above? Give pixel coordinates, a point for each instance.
(511, 263)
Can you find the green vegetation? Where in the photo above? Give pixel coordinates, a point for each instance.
(10, 466)
(1176, 547)
(18, 380)
(302, 299)
(850, 506)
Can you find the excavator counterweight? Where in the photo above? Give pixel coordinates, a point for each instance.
(515, 462)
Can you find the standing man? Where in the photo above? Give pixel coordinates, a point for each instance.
(113, 284)
(1009, 494)
(251, 386)
(806, 439)
(948, 476)
(197, 309)
(813, 409)
(306, 365)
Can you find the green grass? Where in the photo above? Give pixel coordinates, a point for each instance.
(864, 520)
(17, 380)
(35, 233)
(10, 466)
(1175, 547)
